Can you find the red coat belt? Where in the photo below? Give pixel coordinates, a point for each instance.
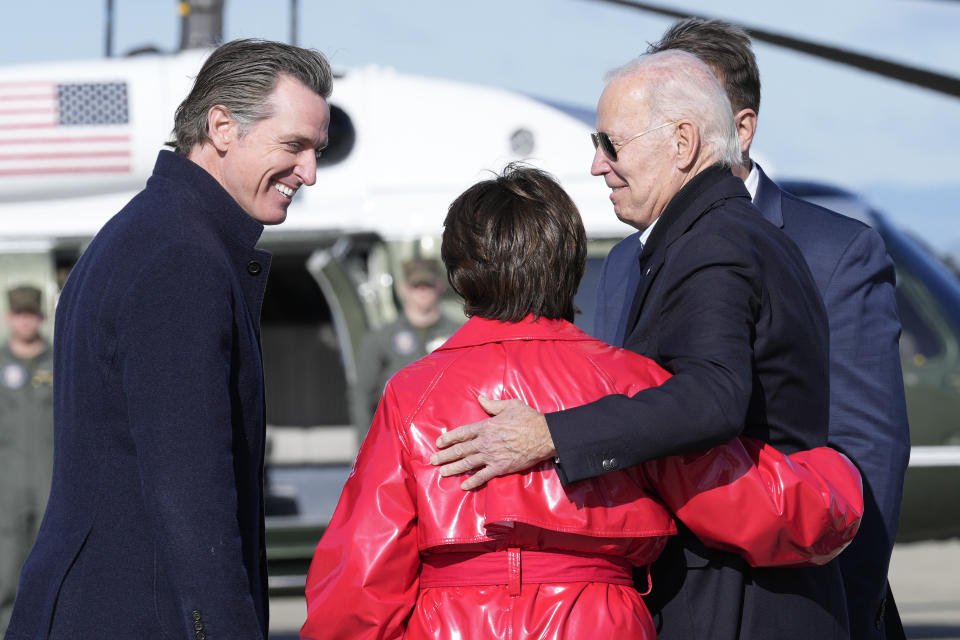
(514, 567)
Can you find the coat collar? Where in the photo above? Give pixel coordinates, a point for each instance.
(220, 213)
(698, 196)
(220, 210)
(706, 190)
(478, 331)
(768, 199)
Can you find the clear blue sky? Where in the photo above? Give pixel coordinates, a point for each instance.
(895, 144)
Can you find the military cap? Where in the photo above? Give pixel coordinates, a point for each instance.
(419, 271)
(25, 299)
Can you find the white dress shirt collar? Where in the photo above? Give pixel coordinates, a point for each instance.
(752, 181)
(646, 233)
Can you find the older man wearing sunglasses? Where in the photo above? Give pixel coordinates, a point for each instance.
(726, 305)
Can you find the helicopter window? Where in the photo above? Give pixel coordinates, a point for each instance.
(919, 341)
(341, 137)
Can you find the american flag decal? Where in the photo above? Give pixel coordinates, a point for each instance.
(102, 103)
(72, 128)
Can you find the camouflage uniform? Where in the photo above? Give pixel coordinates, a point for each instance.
(386, 351)
(26, 461)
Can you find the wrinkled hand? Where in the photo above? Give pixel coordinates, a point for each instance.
(514, 439)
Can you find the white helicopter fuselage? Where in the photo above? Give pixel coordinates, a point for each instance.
(79, 139)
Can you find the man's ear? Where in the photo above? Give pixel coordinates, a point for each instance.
(687, 138)
(746, 123)
(221, 127)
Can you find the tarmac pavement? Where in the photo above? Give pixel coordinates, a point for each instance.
(925, 579)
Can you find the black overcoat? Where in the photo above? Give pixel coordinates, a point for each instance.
(154, 527)
(729, 307)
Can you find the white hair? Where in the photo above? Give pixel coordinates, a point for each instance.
(681, 87)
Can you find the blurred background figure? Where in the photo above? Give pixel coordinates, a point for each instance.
(26, 436)
(420, 328)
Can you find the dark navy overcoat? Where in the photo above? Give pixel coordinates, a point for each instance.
(728, 305)
(868, 415)
(868, 410)
(868, 421)
(154, 528)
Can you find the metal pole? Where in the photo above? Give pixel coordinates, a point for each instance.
(201, 23)
(108, 29)
(293, 22)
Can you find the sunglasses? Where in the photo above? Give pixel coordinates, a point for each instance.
(602, 141)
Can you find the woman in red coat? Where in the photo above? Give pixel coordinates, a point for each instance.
(408, 554)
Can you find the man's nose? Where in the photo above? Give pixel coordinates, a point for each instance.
(601, 164)
(306, 170)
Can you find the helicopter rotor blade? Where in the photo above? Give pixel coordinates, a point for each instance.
(916, 76)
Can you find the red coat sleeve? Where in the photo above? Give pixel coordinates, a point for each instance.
(773, 509)
(364, 578)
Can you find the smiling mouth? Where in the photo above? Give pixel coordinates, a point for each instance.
(284, 189)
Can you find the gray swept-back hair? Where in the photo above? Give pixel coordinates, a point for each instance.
(241, 75)
(679, 86)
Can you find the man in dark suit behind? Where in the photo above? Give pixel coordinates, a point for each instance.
(855, 277)
(726, 305)
(154, 527)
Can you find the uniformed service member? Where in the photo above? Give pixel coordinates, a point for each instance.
(26, 436)
(420, 328)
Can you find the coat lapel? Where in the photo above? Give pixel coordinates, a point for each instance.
(623, 292)
(768, 199)
(649, 267)
(707, 190)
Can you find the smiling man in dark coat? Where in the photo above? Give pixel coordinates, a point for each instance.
(154, 527)
(849, 263)
(855, 276)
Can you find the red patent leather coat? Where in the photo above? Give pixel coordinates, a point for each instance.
(408, 554)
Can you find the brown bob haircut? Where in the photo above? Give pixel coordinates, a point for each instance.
(515, 245)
